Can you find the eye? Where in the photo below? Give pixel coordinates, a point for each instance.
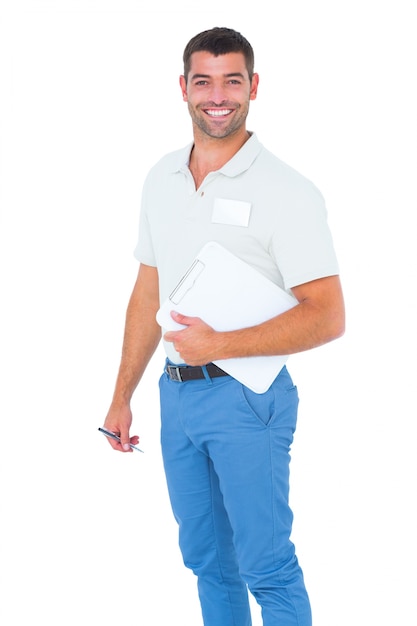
(200, 83)
(234, 81)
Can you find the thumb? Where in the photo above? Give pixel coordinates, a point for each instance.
(125, 440)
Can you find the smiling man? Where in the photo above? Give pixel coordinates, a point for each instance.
(226, 448)
(218, 98)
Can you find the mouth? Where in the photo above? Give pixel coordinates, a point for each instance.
(218, 112)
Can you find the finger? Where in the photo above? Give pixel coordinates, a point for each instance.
(170, 336)
(114, 444)
(185, 320)
(125, 441)
(112, 441)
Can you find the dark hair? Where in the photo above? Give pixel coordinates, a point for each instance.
(219, 41)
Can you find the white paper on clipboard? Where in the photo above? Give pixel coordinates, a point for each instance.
(228, 294)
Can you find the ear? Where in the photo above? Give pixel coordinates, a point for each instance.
(183, 85)
(254, 86)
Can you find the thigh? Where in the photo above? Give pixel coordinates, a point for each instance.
(205, 535)
(248, 438)
(186, 468)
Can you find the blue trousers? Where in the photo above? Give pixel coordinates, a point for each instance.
(226, 458)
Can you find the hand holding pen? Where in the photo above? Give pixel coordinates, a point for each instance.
(116, 437)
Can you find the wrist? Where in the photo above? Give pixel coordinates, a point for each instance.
(121, 399)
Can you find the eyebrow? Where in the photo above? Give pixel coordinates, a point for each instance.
(230, 75)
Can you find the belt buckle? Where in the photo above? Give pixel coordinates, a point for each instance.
(175, 373)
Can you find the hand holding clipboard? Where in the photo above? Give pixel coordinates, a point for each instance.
(228, 294)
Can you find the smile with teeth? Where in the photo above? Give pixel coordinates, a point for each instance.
(218, 112)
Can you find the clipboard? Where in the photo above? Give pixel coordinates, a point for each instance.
(228, 294)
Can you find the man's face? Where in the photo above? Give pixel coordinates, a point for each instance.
(218, 91)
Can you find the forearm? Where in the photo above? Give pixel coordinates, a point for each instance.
(301, 328)
(141, 337)
(318, 318)
(140, 341)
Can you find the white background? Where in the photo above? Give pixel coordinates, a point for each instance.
(89, 100)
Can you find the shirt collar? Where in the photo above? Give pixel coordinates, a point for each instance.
(239, 163)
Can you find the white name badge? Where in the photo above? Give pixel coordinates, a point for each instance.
(231, 212)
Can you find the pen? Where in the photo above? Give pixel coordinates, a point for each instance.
(111, 435)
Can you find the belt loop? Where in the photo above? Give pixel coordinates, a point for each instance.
(206, 375)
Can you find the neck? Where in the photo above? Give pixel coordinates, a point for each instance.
(210, 154)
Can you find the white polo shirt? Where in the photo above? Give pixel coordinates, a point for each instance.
(256, 206)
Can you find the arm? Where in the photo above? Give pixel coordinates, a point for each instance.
(318, 318)
(141, 337)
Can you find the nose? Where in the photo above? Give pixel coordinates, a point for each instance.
(218, 93)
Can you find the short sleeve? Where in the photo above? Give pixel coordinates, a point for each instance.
(144, 251)
(302, 245)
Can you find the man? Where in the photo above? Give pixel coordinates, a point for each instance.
(226, 448)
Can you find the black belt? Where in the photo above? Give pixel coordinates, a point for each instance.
(183, 373)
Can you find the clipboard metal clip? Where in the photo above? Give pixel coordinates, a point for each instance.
(187, 281)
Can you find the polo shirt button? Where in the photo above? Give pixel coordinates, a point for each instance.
(202, 194)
